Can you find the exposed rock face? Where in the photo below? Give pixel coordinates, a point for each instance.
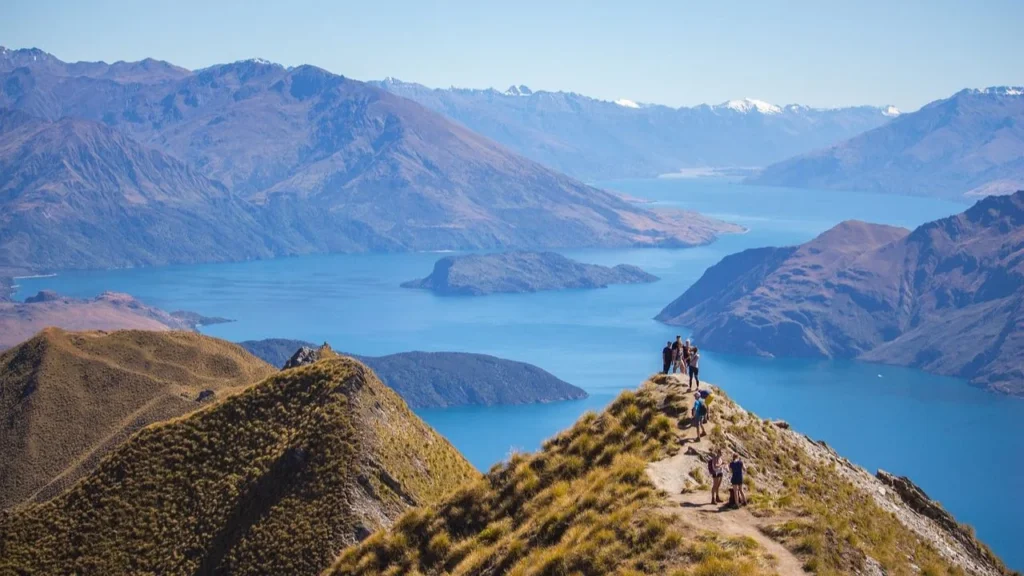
(252, 159)
(480, 274)
(947, 297)
(919, 502)
(305, 356)
(441, 379)
(971, 143)
(19, 321)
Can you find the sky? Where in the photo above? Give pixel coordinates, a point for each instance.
(674, 52)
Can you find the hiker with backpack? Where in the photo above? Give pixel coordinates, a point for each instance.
(677, 356)
(699, 409)
(716, 469)
(736, 496)
(705, 395)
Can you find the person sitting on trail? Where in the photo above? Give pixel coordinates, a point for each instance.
(666, 358)
(698, 414)
(694, 367)
(677, 355)
(737, 496)
(716, 469)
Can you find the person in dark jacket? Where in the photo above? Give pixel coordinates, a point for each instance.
(666, 358)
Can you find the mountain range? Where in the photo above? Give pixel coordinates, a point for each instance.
(970, 144)
(947, 297)
(595, 139)
(128, 164)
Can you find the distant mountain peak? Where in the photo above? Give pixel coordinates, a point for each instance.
(748, 105)
(627, 103)
(521, 90)
(1002, 90)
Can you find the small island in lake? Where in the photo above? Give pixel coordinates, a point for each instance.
(480, 274)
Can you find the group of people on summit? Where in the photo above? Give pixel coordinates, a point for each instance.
(680, 356)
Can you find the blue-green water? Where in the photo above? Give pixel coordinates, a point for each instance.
(942, 433)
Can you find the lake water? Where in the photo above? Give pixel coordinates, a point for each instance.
(961, 444)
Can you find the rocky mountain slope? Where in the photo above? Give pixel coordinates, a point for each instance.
(323, 162)
(19, 321)
(623, 492)
(947, 297)
(274, 480)
(971, 143)
(481, 274)
(68, 398)
(76, 193)
(442, 379)
(594, 139)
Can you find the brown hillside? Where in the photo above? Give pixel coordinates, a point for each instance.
(69, 398)
(274, 480)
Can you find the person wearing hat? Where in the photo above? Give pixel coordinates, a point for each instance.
(699, 409)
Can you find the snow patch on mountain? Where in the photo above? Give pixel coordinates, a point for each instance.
(747, 105)
(891, 111)
(627, 103)
(1003, 90)
(520, 90)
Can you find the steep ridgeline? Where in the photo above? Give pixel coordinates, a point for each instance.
(19, 321)
(594, 139)
(68, 399)
(277, 479)
(619, 494)
(442, 379)
(480, 274)
(323, 162)
(971, 143)
(947, 298)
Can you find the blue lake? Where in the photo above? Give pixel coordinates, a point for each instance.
(956, 441)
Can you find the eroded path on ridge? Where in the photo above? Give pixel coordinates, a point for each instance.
(673, 473)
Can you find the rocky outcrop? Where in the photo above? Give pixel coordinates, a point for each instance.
(919, 502)
(305, 356)
(480, 274)
(19, 321)
(947, 298)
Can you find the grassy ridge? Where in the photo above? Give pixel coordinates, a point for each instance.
(276, 479)
(582, 505)
(69, 398)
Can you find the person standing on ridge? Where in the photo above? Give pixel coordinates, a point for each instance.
(716, 468)
(695, 367)
(677, 355)
(666, 358)
(698, 415)
(736, 467)
(686, 352)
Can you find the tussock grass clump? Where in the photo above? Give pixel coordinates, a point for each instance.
(274, 480)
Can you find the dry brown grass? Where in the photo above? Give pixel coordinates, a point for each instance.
(582, 505)
(276, 479)
(68, 398)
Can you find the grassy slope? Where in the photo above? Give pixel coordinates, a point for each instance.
(583, 505)
(276, 479)
(69, 398)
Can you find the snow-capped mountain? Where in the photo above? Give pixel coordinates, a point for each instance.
(597, 139)
(971, 143)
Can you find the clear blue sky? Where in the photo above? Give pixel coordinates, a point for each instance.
(677, 52)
